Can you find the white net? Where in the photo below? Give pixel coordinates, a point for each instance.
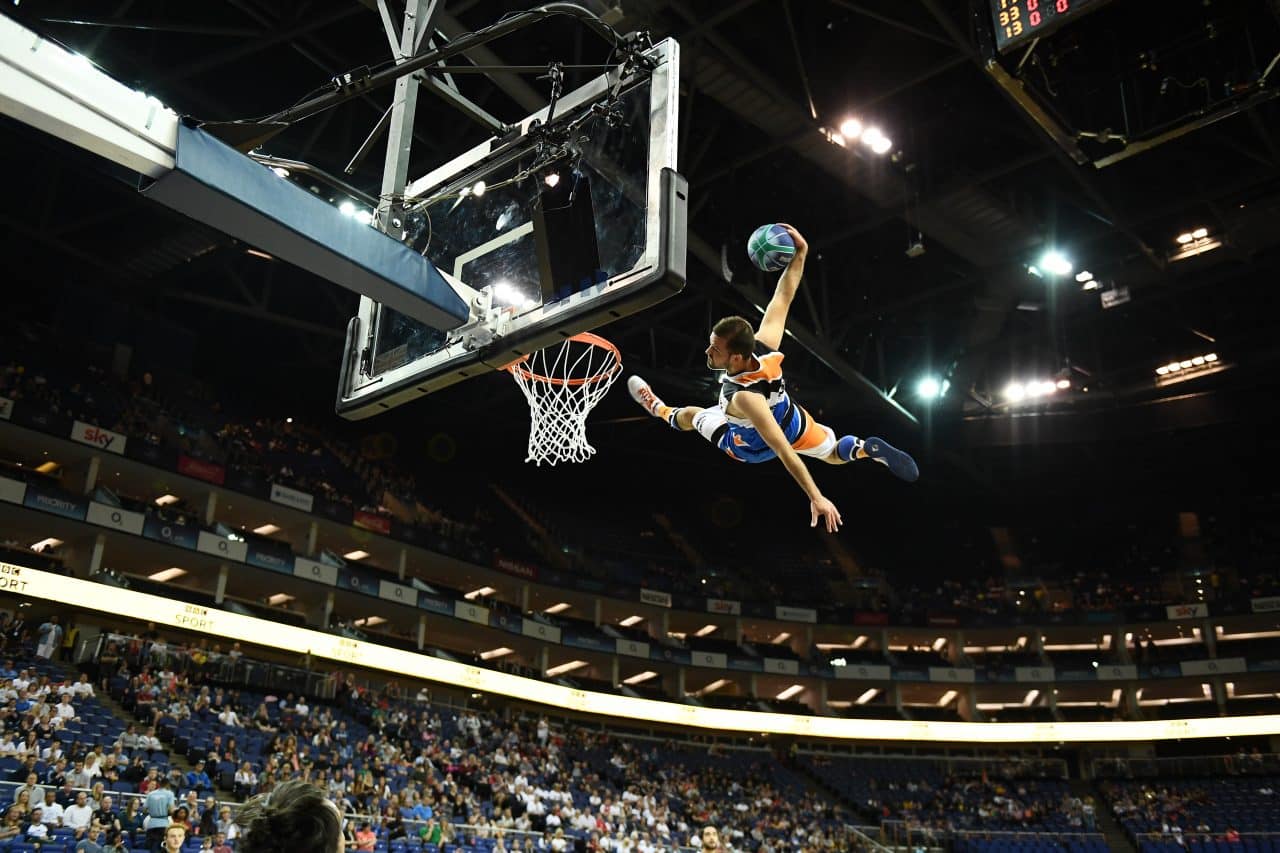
(562, 383)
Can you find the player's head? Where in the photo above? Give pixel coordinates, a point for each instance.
(732, 343)
(710, 838)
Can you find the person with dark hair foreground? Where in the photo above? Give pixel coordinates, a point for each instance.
(294, 817)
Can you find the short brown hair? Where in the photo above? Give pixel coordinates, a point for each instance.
(739, 336)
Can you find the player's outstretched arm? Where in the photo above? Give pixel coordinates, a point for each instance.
(775, 315)
(754, 407)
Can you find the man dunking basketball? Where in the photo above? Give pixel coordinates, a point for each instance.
(756, 420)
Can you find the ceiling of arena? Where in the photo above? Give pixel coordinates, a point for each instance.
(972, 180)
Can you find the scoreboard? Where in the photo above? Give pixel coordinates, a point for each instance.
(1019, 21)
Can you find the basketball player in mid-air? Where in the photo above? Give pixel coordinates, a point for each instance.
(756, 420)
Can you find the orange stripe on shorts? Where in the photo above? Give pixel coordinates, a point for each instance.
(813, 435)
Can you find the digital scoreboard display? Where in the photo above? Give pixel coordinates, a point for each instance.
(1020, 21)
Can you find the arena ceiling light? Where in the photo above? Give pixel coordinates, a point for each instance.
(1030, 698)
(267, 529)
(850, 129)
(49, 542)
(640, 677)
(166, 575)
(705, 630)
(279, 598)
(1195, 364)
(500, 651)
(781, 638)
(790, 691)
(166, 500)
(713, 686)
(867, 696)
(369, 621)
(1055, 263)
(874, 138)
(356, 554)
(931, 387)
(947, 698)
(477, 593)
(630, 620)
(566, 667)
(1192, 243)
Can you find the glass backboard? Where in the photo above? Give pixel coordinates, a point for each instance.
(555, 229)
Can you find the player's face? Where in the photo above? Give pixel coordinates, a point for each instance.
(717, 355)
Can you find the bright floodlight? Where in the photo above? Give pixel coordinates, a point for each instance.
(1211, 356)
(281, 171)
(1064, 384)
(1083, 276)
(364, 217)
(551, 179)
(478, 189)
(851, 129)
(929, 388)
(882, 145)
(1200, 233)
(1162, 369)
(347, 209)
(1184, 238)
(871, 135)
(1055, 263)
(1014, 391)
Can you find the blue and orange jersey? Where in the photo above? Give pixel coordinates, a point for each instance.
(766, 381)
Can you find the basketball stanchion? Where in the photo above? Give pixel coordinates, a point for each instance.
(562, 384)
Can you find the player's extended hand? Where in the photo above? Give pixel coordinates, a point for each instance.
(802, 245)
(821, 507)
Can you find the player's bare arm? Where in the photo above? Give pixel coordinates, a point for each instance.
(754, 407)
(774, 323)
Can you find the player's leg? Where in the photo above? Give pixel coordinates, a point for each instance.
(678, 417)
(820, 442)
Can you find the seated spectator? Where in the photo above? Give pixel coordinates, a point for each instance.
(105, 815)
(198, 779)
(52, 809)
(79, 815)
(36, 830)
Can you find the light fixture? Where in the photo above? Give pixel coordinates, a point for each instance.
(347, 208)
(266, 530)
(1014, 392)
(946, 698)
(356, 554)
(280, 171)
(46, 543)
(1064, 384)
(279, 598)
(705, 630)
(165, 500)
(558, 608)
(1200, 233)
(364, 217)
(259, 254)
(478, 189)
(500, 651)
(640, 677)
(630, 620)
(790, 691)
(939, 644)
(1092, 284)
(1184, 238)
(369, 621)
(565, 667)
(867, 696)
(551, 179)
(713, 686)
(929, 388)
(851, 128)
(1211, 356)
(781, 638)
(476, 593)
(1031, 697)
(1055, 263)
(165, 575)
(1084, 276)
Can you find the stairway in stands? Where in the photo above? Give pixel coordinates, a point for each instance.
(1117, 838)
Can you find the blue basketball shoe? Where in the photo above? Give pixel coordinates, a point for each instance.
(900, 463)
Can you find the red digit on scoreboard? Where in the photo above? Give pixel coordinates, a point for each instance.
(1063, 6)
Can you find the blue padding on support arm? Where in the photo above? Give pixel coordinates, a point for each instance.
(217, 185)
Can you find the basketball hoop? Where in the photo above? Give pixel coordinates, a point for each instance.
(562, 383)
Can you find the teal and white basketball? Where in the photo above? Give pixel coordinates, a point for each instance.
(771, 248)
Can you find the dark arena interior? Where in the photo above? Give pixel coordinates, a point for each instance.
(1042, 241)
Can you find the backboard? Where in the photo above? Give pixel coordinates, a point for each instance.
(554, 229)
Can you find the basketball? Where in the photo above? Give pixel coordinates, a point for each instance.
(770, 248)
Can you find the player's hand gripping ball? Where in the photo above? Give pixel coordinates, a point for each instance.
(771, 248)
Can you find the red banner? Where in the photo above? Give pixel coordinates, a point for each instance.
(201, 470)
(376, 523)
(863, 618)
(516, 567)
